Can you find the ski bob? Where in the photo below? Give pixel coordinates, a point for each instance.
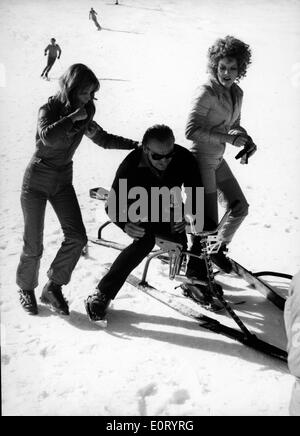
(77, 77)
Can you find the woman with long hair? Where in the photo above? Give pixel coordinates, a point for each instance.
(62, 122)
(214, 121)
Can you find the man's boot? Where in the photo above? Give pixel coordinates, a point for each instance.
(96, 305)
(202, 295)
(221, 260)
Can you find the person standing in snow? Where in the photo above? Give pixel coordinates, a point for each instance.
(214, 121)
(93, 16)
(292, 324)
(54, 52)
(62, 122)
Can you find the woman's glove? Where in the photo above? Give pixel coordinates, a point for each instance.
(91, 129)
(239, 140)
(248, 150)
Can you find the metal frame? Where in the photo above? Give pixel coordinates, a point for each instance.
(176, 254)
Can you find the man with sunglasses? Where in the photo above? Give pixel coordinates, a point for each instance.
(159, 163)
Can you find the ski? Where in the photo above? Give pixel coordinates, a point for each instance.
(204, 321)
(261, 286)
(120, 247)
(107, 243)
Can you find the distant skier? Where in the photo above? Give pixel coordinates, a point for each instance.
(292, 323)
(54, 51)
(93, 16)
(116, 3)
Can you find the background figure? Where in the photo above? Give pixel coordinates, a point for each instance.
(54, 51)
(62, 122)
(214, 121)
(93, 16)
(292, 324)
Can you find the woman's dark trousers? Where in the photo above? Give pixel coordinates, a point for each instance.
(41, 184)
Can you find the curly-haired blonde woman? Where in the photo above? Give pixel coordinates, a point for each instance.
(62, 122)
(214, 121)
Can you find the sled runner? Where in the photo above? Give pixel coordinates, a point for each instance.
(175, 255)
(192, 311)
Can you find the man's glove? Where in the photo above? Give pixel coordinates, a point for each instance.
(248, 150)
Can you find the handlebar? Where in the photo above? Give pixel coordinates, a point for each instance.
(209, 232)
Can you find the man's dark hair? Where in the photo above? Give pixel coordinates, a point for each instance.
(160, 132)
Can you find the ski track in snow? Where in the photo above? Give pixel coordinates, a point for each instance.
(150, 360)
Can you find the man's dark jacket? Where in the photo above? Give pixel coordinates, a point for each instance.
(138, 172)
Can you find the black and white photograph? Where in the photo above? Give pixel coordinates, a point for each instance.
(150, 210)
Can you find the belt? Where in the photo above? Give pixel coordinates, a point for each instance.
(50, 165)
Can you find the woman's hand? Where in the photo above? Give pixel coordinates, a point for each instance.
(91, 129)
(250, 151)
(79, 114)
(134, 230)
(238, 140)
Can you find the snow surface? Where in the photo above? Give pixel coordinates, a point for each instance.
(150, 56)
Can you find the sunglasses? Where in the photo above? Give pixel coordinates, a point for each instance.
(157, 156)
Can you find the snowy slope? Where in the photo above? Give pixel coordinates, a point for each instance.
(150, 57)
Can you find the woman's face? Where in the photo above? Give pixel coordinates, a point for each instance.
(227, 71)
(84, 95)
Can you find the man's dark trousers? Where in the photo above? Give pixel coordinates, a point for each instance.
(134, 254)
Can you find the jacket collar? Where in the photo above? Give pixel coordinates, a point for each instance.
(221, 90)
(228, 97)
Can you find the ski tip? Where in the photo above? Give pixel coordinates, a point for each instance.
(101, 323)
